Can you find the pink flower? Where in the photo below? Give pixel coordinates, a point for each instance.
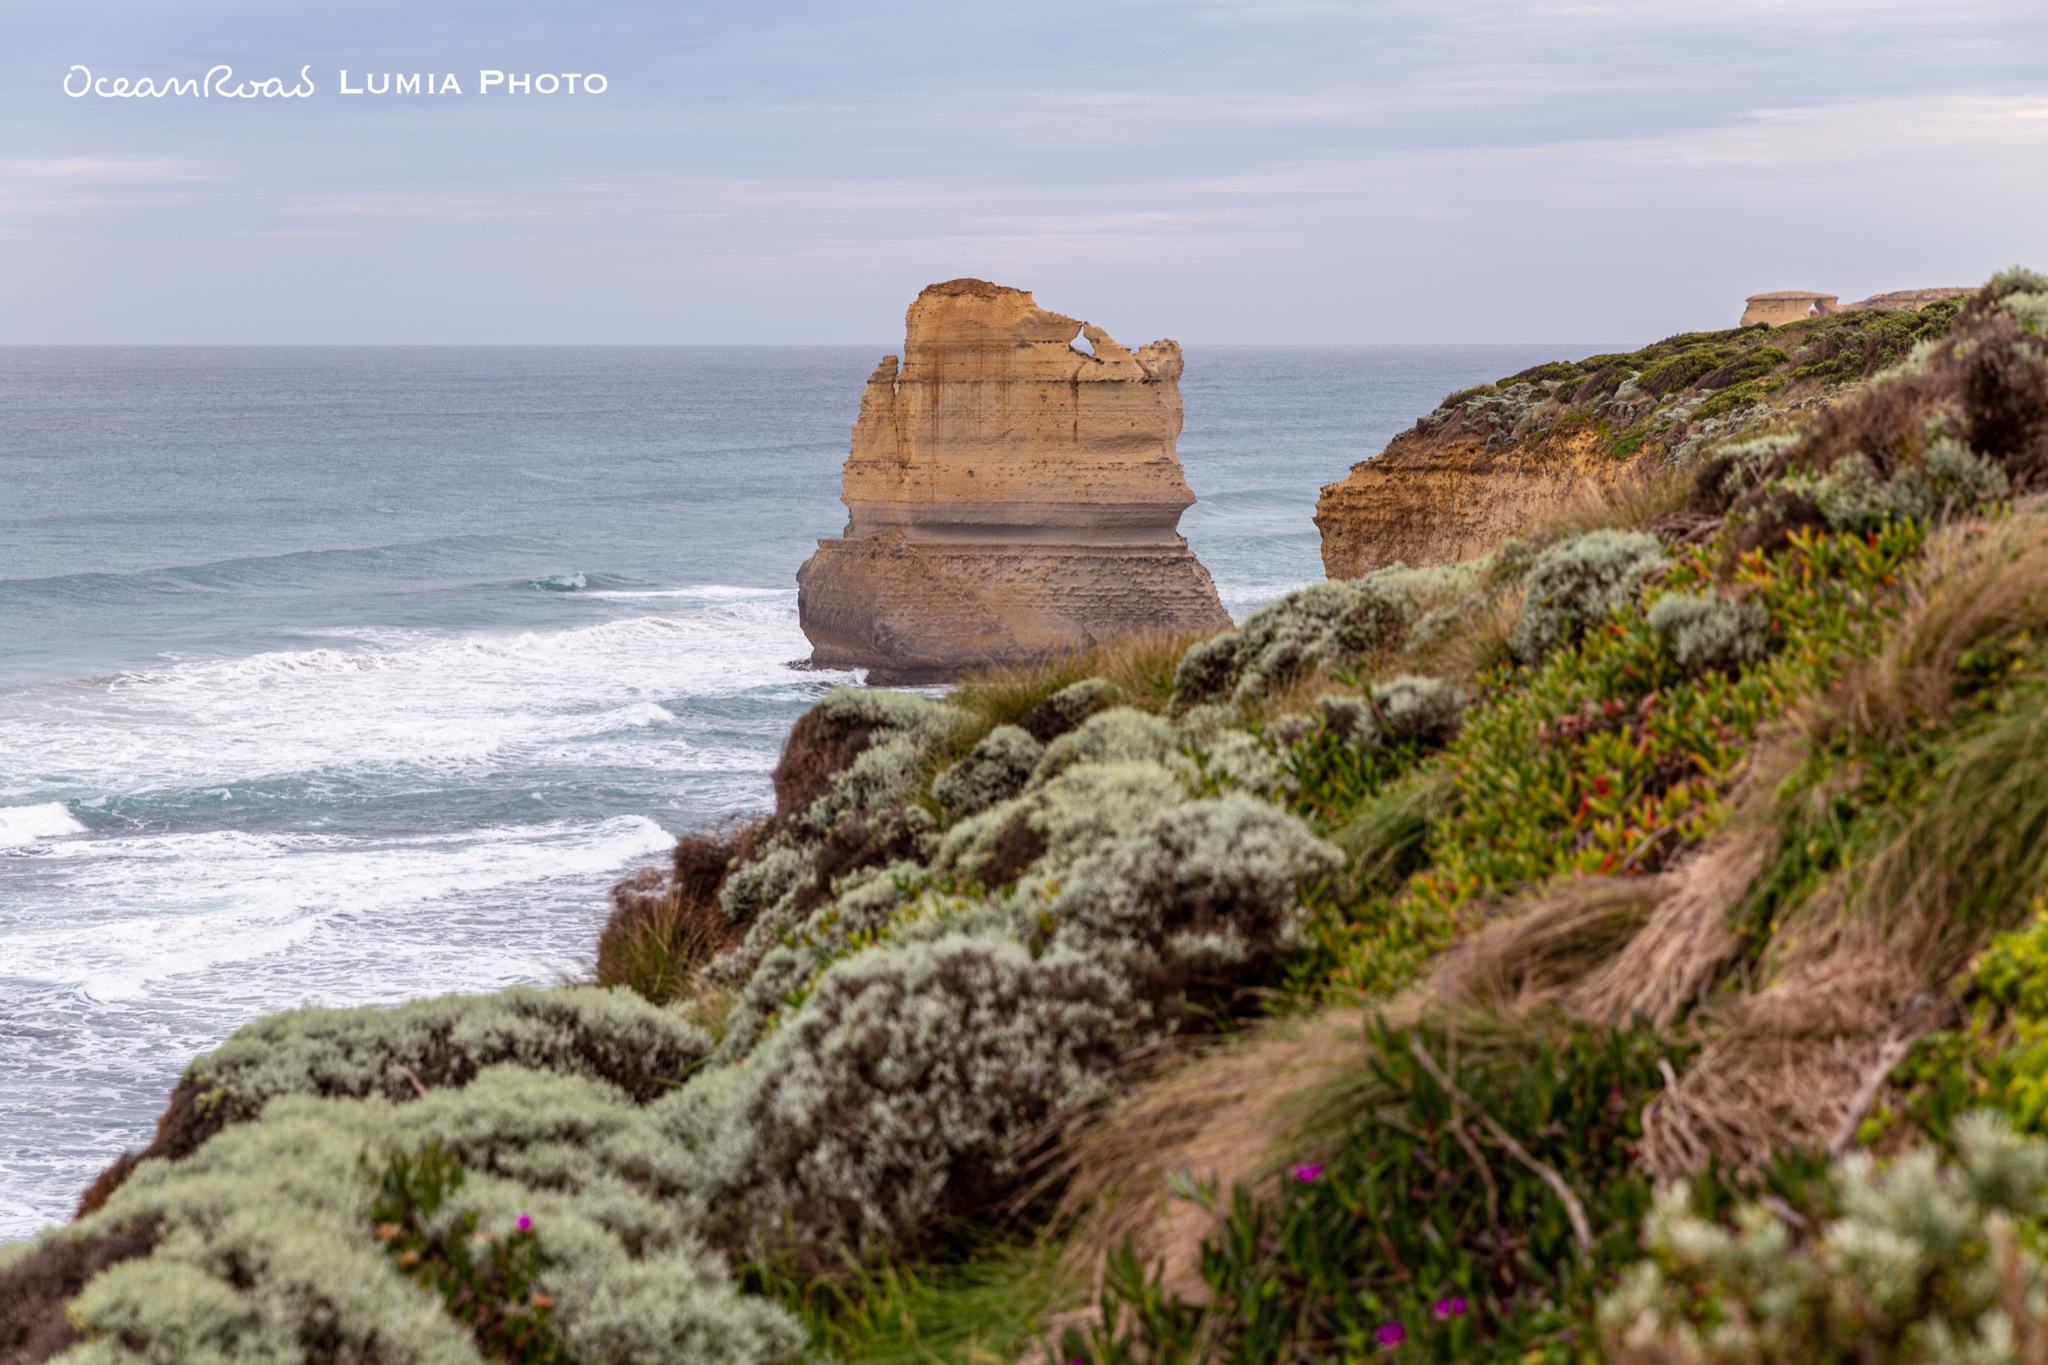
(1391, 1334)
(525, 1223)
(1306, 1174)
(1453, 1307)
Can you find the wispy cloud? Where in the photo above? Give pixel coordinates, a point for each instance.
(1367, 170)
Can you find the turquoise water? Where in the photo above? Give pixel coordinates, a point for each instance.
(347, 675)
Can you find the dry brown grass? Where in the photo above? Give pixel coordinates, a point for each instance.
(1687, 943)
(1232, 1112)
(1480, 642)
(1546, 944)
(1140, 668)
(1645, 492)
(1793, 1066)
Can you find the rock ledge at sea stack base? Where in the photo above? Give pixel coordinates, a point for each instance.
(1009, 495)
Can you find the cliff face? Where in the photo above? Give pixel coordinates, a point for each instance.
(1008, 495)
(1492, 459)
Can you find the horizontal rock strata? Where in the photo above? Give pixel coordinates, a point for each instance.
(1008, 495)
(1424, 502)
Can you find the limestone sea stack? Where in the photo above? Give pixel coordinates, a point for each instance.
(1009, 495)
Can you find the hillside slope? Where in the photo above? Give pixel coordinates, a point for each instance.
(1490, 460)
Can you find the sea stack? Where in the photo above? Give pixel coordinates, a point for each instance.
(1009, 495)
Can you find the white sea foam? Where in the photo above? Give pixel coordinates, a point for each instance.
(388, 814)
(433, 703)
(157, 906)
(27, 824)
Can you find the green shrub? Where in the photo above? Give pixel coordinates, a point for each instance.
(1431, 1227)
(1735, 398)
(1588, 763)
(270, 1249)
(1921, 1263)
(995, 770)
(1579, 581)
(489, 1284)
(1331, 624)
(1710, 631)
(903, 1079)
(609, 1035)
(1675, 373)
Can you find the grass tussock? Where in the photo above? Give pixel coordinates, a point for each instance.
(666, 923)
(1551, 941)
(1231, 1113)
(980, 1303)
(1977, 582)
(1138, 668)
(1646, 494)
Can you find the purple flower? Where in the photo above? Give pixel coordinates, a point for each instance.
(1453, 1307)
(1391, 1334)
(1306, 1174)
(526, 1225)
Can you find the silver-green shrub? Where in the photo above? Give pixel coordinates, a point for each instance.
(269, 1254)
(1217, 879)
(1424, 709)
(1069, 706)
(1577, 582)
(1706, 631)
(608, 1034)
(1949, 479)
(766, 892)
(1957, 478)
(1427, 710)
(1118, 735)
(1071, 816)
(1332, 623)
(996, 769)
(2030, 310)
(1236, 760)
(2017, 280)
(906, 1071)
(866, 903)
(908, 1066)
(1910, 1272)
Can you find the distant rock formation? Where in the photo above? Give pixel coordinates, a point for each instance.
(1796, 305)
(1009, 495)
(1781, 306)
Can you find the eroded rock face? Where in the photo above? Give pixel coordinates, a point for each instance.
(1425, 502)
(1492, 460)
(1009, 494)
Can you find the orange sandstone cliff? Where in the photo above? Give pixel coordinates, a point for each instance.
(1491, 460)
(1008, 495)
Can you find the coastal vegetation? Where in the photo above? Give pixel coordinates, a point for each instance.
(1628, 943)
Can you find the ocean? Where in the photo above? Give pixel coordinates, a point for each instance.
(347, 675)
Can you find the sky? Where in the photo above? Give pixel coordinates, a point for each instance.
(1368, 172)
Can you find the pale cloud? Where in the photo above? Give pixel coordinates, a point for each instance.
(1379, 170)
